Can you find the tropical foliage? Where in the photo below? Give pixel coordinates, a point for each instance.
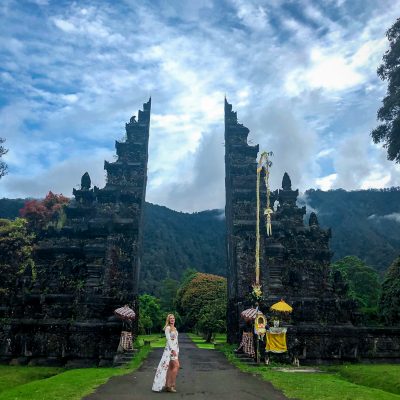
(362, 281)
(15, 255)
(389, 303)
(3, 165)
(389, 114)
(201, 301)
(150, 317)
(168, 290)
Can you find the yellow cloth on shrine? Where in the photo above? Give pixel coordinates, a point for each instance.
(276, 342)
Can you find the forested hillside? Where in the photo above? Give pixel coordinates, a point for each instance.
(9, 208)
(174, 241)
(364, 223)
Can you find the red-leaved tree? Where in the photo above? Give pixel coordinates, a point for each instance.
(42, 213)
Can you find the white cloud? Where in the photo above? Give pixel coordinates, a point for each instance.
(65, 26)
(393, 216)
(88, 22)
(201, 180)
(329, 71)
(277, 127)
(251, 14)
(325, 153)
(61, 178)
(376, 179)
(304, 200)
(326, 182)
(361, 165)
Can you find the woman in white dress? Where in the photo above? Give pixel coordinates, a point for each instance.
(169, 364)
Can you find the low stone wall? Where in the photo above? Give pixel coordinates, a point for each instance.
(59, 343)
(326, 344)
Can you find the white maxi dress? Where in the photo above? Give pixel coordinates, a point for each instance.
(161, 373)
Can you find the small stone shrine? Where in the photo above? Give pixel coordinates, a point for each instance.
(85, 269)
(294, 265)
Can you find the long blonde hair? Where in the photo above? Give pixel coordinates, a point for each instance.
(167, 321)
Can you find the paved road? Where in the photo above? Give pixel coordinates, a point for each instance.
(204, 374)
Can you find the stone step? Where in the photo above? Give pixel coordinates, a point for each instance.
(248, 361)
(93, 276)
(274, 282)
(245, 358)
(129, 353)
(119, 364)
(121, 359)
(93, 271)
(93, 282)
(276, 290)
(94, 267)
(124, 360)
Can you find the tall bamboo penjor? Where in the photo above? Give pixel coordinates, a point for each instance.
(264, 163)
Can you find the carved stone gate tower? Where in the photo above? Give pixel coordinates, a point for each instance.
(294, 265)
(85, 269)
(240, 214)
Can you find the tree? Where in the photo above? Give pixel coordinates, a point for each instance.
(389, 302)
(202, 301)
(15, 255)
(363, 281)
(3, 165)
(40, 214)
(187, 276)
(212, 318)
(389, 131)
(150, 315)
(169, 289)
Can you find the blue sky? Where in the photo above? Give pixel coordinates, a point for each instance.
(301, 74)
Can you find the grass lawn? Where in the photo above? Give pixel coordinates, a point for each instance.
(343, 382)
(199, 341)
(68, 385)
(382, 376)
(11, 376)
(156, 339)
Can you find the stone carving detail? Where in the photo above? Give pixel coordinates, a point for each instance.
(85, 181)
(313, 221)
(286, 182)
(87, 268)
